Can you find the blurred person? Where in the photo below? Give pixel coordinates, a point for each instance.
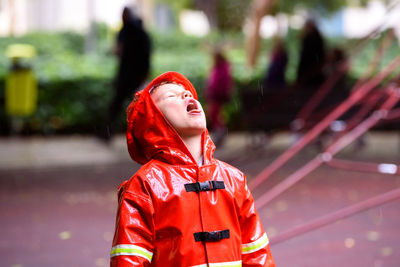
(274, 79)
(133, 49)
(218, 92)
(337, 61)
(335, 57)
(335, 70)
(183, 207)
(312, 57)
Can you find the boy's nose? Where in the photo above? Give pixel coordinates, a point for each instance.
(187, 94)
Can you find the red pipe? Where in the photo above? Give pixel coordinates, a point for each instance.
(321, 93)
(330, 82)
(369, 103)
(383, 168)
(393, 114)
(342, 108)
(314, 163)
(365, 125)
(337, 215)
(329, 152)
(288, 182)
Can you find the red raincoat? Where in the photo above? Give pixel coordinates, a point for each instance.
(173, 212)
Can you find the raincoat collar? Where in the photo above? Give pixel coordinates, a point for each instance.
(151, 136)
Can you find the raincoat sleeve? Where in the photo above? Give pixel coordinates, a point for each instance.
(255, 243)
(133, 238)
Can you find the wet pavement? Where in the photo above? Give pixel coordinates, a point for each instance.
(58, 201)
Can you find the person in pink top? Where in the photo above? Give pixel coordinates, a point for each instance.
(218, 92)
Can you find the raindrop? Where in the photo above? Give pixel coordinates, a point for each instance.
(349, 242)
(101, 262)
(373, 235)
(386, 251)
(65, 235)
(281, 206)
(271, 231)
(108, 236)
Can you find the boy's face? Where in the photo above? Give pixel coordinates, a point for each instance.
(180, 109)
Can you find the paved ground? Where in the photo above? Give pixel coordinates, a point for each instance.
(58, 201)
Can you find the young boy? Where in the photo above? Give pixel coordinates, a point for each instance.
(183, 207)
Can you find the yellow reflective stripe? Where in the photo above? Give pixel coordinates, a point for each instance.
(226, 264)
(131, 250)
(222, 264)
(256, 245)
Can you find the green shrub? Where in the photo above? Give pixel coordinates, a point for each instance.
(75, 87)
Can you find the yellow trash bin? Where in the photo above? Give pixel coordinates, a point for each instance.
(21, 86)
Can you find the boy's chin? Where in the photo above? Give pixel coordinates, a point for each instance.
(192, 132)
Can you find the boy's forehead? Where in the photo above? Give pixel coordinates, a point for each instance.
(165, 87)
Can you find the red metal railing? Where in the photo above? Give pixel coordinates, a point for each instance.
(329, 152)
(337, 215)
(383, 168)
(354, 98)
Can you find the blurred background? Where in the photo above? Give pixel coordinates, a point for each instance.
(267, 72)
(75, 67)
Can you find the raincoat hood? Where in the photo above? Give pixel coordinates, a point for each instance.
(151, 136)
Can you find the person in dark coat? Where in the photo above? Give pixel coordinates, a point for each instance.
(312, 57)
(133, 48)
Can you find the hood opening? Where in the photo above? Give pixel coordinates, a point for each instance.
(150, 135)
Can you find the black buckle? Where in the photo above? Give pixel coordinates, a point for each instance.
(211, 236)
(204, 186)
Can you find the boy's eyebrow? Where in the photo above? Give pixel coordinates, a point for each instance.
(152, 90)
(177, 89)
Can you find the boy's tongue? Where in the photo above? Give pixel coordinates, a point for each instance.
(191, 106)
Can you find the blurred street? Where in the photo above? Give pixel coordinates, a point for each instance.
(58, 200)
(258, 66)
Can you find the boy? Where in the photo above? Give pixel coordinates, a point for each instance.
(183, 207)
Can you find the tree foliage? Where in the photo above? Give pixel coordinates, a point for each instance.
(323, 7)
(230, 14)
(326, 7)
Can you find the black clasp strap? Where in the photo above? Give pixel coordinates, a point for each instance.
(205, 186)
(211, 236)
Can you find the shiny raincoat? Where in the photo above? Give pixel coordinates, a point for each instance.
(173, 212)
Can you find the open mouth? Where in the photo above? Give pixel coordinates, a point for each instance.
(192, 106)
